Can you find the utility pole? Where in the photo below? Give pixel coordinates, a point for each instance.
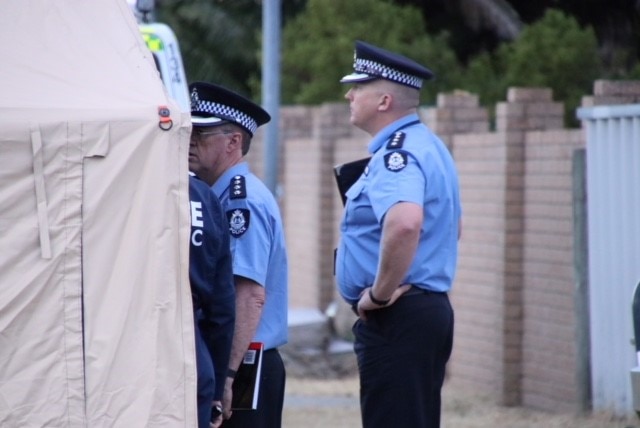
(271, 10)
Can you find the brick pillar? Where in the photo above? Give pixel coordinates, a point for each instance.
(526, 109)
(299, 203)
(613, 92)
(529, 109)
(458, 112)
(331, 126)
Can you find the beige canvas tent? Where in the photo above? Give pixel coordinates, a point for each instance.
(95, 309)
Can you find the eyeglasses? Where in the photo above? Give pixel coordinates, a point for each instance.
(199, 136)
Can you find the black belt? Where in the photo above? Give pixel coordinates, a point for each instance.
(415, 291)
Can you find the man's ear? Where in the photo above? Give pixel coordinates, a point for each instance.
(235, 141)
(384, 102)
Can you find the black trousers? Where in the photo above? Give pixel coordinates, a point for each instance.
(402, 353)
(270, 398)
(206, 380)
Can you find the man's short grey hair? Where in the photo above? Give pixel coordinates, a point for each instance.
(246, 137)
(404, 97)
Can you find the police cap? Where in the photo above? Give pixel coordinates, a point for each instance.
(371, 62)
(212, 105)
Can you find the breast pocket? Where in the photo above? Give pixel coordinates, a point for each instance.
(359, 210)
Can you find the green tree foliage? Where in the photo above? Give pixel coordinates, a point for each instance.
(483, 76)
(635, 73)
(317, 47)
(554, 52)
(557, 53)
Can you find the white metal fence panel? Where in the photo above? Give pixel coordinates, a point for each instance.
(613, 201)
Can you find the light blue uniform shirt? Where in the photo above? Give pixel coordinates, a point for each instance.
(419, 169)
(257, 246)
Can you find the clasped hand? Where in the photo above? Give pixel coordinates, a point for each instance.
(365, 304)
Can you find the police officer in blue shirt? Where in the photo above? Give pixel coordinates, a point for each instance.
(213, 295)
(224, 123)
(398, 248)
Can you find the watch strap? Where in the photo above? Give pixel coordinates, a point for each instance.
(377, 301)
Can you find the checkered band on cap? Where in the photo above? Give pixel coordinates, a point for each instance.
(376, 69)
(223, 111)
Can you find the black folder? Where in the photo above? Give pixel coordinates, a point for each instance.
(246, 385)
(348, 173)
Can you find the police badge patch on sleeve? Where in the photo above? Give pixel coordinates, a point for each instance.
(395, 161)
(238, 221)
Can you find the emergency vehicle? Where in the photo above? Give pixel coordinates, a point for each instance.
(163, 44)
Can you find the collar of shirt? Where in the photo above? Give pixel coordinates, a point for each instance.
(223, 182)
(385, 133)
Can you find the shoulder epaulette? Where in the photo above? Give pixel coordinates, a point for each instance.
(238, 188)
(396, 140)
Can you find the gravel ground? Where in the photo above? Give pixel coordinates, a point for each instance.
(311, 403)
